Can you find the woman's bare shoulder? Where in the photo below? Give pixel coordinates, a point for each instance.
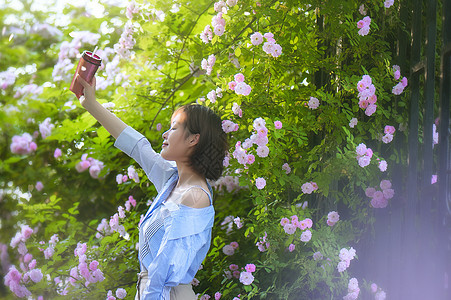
(195, 197)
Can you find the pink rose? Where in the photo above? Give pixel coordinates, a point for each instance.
(250, 268)
(260, 183)
(256, 38)
(57, 153)
(39, 186)
(371, 109)
(306, 236)
(246, 278)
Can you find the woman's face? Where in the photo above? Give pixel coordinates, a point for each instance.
(175, 146)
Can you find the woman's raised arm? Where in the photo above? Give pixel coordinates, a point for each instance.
(112, 124)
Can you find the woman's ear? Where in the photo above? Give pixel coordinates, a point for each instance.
(194, 139)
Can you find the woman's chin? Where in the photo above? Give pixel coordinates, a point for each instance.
(163, 155)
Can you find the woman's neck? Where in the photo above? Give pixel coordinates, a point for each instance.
(187, 176)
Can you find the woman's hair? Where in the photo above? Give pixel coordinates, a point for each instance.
(208, 155)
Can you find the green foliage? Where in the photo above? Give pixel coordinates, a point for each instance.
(322, 57)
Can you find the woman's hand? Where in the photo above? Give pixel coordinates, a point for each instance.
(112, 124)
(89, 91)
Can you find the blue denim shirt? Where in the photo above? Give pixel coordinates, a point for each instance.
(176, 251)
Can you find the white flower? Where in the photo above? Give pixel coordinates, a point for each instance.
(258, 123)
(353, 122)
(317, 256)
(353, 284)
(307, 188)
(333, 216)
(313, 103)
(246, 278)
(228, 250)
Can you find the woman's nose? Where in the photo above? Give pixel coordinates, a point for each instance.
(164, 134)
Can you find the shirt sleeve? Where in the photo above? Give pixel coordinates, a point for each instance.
(135, 145)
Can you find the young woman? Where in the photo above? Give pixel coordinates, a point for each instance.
(175, 233)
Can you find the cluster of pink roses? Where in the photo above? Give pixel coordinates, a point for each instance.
(132, 9)
(379, 199)
(130, 202)
(236, 109)
(206, 35)
(218, 295)
(214, 94)
(364, 26)
(353, 290)
(389, 131)
(364, 155)
(23, 144)
(126, 41)
(207, 64)
(217, 21)
(270, 46)
(16, 282)
(367, 96)
(231, 183)
(290, 226)
(131, 174)
(228, 223)
(239, 86)
(230, 248)
(345, 256)
(45, 128)
(28, 89)
(332, 218)
(309, 187)
(120, 294)
(379, 294)
(50, 250)
(85, 270)
(232, 272)
(114, 223)
(106, 228)
(229, 126)
(94, 165)
(14, 279)
(263, 244)
(20, 238)
(286, 168)
(399, 88)
(238, 222)
(246, 276)
(260, 138)
(7, 78)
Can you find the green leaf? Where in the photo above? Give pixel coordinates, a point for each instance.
(237, 51)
